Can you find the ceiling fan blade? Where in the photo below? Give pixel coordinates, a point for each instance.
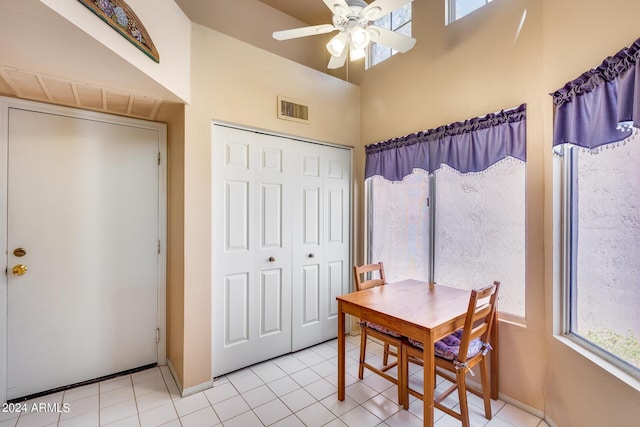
(303, 32)
(338, 61)
(338, 7)
(391, 39)
(380, 8)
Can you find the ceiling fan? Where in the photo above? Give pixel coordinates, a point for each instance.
(353, 18)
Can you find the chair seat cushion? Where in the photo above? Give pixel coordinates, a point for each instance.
(449, 346)
(380, 329)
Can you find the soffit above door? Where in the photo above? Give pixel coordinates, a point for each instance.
(54, 90)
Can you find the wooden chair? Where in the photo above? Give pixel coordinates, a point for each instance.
(390, 339)
(458, 353)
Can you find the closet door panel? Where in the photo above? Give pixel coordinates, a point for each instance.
(271, 302)
(336, 278)
(237, 309)
(237, 216)
(251, 277)
(311, 295)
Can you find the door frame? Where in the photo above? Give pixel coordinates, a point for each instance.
(161, 128)
(349, 284)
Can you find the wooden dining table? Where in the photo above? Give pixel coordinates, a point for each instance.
(415, 309)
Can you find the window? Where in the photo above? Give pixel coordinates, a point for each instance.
(456, 9)
(448, 205)
(596, 136)
(398, 21)
(480, 224)
(602, 249)
(399, 226)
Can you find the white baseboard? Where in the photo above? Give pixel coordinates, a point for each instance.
(191, 390)
(530, 409)
(174, 375)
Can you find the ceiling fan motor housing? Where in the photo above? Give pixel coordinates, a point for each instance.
(359, 3)
(353, 16)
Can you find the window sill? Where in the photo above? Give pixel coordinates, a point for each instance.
(601, 362)
(512, 320)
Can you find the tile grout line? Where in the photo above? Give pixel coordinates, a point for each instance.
(300, 362)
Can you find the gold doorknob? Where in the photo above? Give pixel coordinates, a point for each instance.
(19, 269)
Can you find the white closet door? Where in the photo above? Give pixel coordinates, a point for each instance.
(321, 242)
(281, 245)
(337, 220)
(309, 275)
(252, 248)
(83, 217)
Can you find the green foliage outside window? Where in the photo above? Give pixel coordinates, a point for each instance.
(626, 347)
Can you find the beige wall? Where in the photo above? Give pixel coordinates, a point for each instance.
(237, 83)
(173, 115)
(172, 72)
(254, 22)
(481, 64)
(507, 53)
(579, 36)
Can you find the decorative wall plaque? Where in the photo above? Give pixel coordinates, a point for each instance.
(121, 18)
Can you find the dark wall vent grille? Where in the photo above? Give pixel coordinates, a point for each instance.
(289, 109)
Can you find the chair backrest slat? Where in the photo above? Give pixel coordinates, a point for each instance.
(361, 272)
(480, 316)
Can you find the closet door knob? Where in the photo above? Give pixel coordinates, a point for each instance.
(271, 259)
(311, 255)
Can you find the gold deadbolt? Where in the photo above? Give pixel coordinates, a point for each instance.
(19, 269)
(19, 252)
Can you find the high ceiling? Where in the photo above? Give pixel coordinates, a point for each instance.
(313, 12)
(238, 18)
(245, 21)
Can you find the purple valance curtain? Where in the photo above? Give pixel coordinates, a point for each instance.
(596, 108)
(469, 146)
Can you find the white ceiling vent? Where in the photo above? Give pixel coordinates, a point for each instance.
(289, 109)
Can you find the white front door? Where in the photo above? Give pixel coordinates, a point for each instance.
(251, 290)
(82, 248)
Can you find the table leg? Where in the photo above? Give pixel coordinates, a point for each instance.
(341, 352)
(429, 373)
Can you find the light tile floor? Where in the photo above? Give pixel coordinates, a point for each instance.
(297, 389)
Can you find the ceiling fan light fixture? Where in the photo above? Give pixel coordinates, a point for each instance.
(356, 53)
(337, 44)
(360, 37)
